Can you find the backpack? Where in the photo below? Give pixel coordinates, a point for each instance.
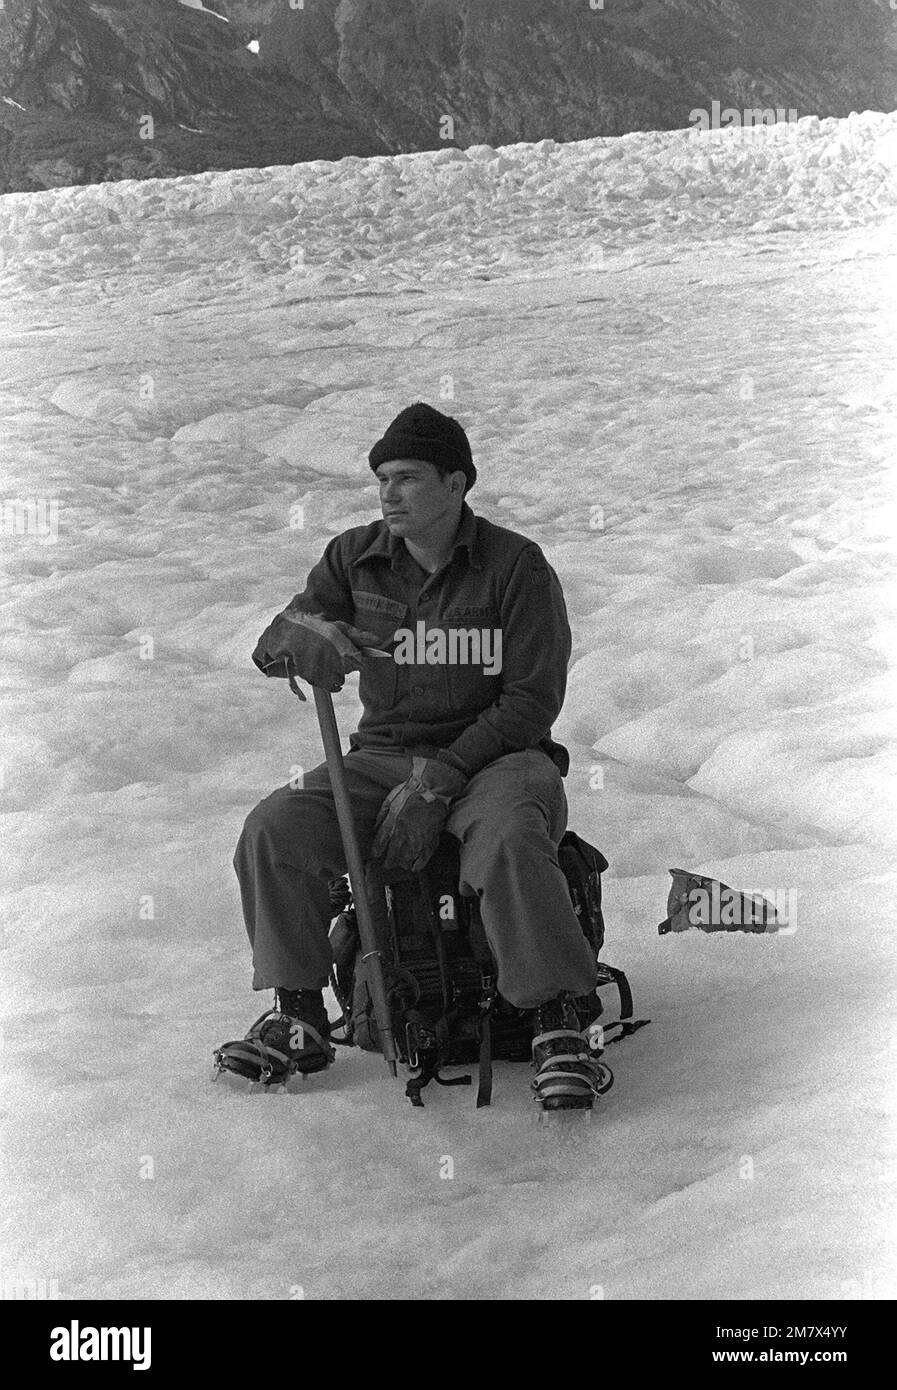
(440, 974)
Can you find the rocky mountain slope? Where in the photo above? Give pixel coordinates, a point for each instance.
(510, 70)
(78, 78)
(375, 76)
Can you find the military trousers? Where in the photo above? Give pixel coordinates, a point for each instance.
(508, 822)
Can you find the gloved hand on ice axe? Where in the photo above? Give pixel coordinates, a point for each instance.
(413, 815)
(321, 652)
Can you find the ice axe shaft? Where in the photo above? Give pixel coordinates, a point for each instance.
(370, 951)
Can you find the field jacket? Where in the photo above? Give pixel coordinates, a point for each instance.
(493, 582)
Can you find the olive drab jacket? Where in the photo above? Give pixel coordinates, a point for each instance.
(495, 598)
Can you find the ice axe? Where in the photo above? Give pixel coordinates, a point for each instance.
(370, 950)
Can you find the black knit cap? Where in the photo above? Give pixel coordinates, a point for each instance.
(420, 432)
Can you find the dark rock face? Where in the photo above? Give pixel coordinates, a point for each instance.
(368, 77)
(78, 78)
(510, 70)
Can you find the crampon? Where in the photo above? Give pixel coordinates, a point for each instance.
(570, 1075)
(276, 1048)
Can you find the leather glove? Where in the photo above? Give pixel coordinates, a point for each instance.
(322, 653)
(413, 814)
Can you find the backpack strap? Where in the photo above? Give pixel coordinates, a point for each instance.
(484, 1088)
(479, 946)
(626, 1025)
(624, 989)
(443, 1040)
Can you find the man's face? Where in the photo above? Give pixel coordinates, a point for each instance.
(414, 496)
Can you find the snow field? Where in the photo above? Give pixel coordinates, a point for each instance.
(673, 352)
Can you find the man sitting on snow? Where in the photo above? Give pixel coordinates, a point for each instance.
(485, 767)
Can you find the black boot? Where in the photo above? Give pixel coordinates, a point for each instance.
(568, 1073)
(294, 1036)
(306, 1005)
